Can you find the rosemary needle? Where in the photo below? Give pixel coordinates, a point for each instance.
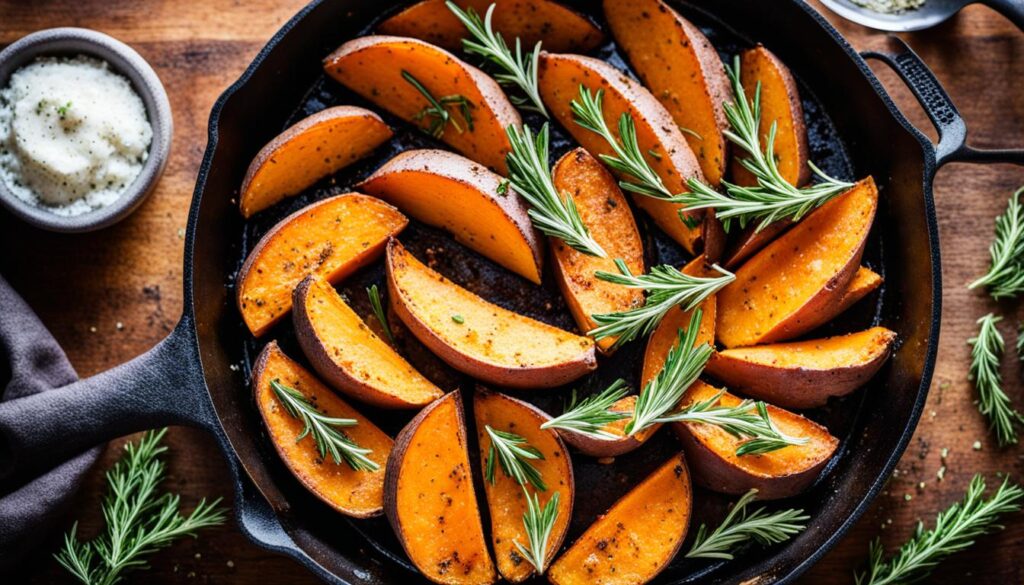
(590, 415)
(1005, 276)
(514, 454)
(436, 111)
(955, 529)
(538, 523)
(986, 350)
(739, 526)
(379, 313)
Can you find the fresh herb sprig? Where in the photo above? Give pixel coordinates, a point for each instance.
(747, 420)
(1005, 276)
(955, 529)
(684, 363)
(530, 175)
(324, 430)
(538, 523)
(666, 286)
(139, 519)
(514, 455)
(590, 415)
(993, 402)
(739, 526)
(518, 69)
(379, 313)
(436, 111)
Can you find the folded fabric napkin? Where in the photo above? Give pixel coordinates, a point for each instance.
(32, 362)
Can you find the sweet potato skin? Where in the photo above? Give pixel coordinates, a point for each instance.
(556, 26)
(750, 241)
(372, 66)
(864, 282)
(429, 498)
(606, 214)
(479, 338)
(446, 190)
(778, 474)
(308, 151)
(621, 444)
(638, 537)
(331, 238)
(505, 497)
(780, 103)
(560, 76)
(784, 289)
(359, 494)
(804, 374)
(346, 353)
(681, 68)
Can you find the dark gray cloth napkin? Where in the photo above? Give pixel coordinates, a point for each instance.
(33, 362)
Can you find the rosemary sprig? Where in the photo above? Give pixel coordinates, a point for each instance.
(738, 527)
(436, 111)
(986, 350)
(379, 313)
(666, 286)
(531, 176)
(538, 523)
(324, 430)
(514, 454)
(590, 415)
(684, 363)
(773, 198)
(747, 420)
(955, 529)
(518, 70)
(139, 520)
(1005, 276)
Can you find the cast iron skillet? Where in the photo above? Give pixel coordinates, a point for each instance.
(198, 375)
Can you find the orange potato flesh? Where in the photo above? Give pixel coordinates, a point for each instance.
(780, 103)
(331, 238)
(430, 500)
(310, 150)
(637, 538)
(353, 493)
(681, 68)
(372, 67)
(560, 77)
(750, 241)
(783, 290)
(505, 497)
(606, 214)
(559, 28)
(804, 374)
(479, 338)
(346, 352)
(781, 473)
(863, 283)
(446, 190)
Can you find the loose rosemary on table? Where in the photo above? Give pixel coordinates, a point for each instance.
(739, 526)
(538, 523)
(436, 112)
(324, 430)
(590, 415)
(514, 455)
(1005, 276)
(379, 312)
(993, 402)
(518, 70)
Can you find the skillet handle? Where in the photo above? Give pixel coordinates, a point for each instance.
(163, 386)
(952, 146)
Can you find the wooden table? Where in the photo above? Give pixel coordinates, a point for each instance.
(110, 296)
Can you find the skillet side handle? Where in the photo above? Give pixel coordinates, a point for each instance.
(952, 146)
(163, 386)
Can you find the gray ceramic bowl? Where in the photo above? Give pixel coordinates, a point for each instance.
(125, 61)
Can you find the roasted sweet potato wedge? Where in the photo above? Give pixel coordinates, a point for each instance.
(610, 447)
(638, 537)
(359, 494)
(606, 214)
(449, 191)
(505, 498)
(559, 28)
(331, 238)
(863, 283)
(780, 103)
(782, 291)
(430, 501)
(373, 67)
(346, 352)
(681, 68)
(560, 77)
(779, 474)
(478, 338)
(310, 150)
(804, 374)
(750, 241)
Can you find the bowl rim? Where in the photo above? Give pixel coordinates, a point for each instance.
(125, 61)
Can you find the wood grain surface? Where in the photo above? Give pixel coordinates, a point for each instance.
(110, 296)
